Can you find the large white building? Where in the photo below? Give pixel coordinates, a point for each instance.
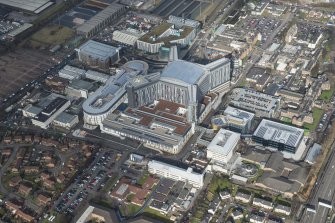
(108, 97)
(221, 148)
(179, 172)
(96, 54)
(181, 82)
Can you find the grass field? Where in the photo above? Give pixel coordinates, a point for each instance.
(327, 95)
(51, 35)
(317, 114)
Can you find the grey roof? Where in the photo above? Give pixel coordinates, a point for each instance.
(65, 117)
(183, 71)
(103, 99)
(99, 18)
(313, 152)
(34, 109)
(278, 132)
(81, 84)
(98, 50)
(28, 5)
(275, 162)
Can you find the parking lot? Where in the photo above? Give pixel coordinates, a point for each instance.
(265, 25)
(90, 181)
(20, 67)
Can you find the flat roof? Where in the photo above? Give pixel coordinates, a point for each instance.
(50, 109)
(99, 18)
(239, 113)
(35, 6)
(65, 117)
(98, 50)
(20, 29)
(252, 100)
(224, 142)
(278, 132)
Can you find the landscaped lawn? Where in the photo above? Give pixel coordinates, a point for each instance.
(317, 114)
(219, 183)
(327, 95)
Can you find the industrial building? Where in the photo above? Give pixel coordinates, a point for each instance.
(263, 105)
(70, 73)
(166, 34)
(79, 89)
(31, 6)
(101, 20)
(221, 148)
(181, 82)
(96, 54)
(279, 136)
(48, 113)
(234, 119)
(108, 97)
(97, 76)
(66, 120)
(178, 172)
(162, 125)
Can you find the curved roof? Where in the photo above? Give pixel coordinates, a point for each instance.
(183, 71)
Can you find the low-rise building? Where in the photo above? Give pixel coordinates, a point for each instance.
(243, 197)
(263, 203)
(177, 171)
(43, 200)
(48, 113)
(237, 214)
(257, 217)
(24, 190)
(71, 73)
(283, 209)
(66, 120)
(79, 89)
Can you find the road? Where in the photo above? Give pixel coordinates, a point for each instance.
(288, 17)
(324, 189)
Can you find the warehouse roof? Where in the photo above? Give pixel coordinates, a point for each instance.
(98, 50)
(35, 6)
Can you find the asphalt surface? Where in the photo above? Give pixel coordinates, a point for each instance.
(324, 189)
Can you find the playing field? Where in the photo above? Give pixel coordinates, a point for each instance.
(50, 36)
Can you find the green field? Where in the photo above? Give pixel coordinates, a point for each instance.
(50, 36)
(327, 95)
(317, 114)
